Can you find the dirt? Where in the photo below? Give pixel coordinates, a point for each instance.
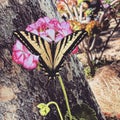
(106, 82)
(106, 88)
(112, 53)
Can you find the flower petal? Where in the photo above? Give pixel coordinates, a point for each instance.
(17, 46)
(21, 59)
(31, 27)
(75, 50)
(44, 36)
(51, 33)
(29, 63)
(59, 37)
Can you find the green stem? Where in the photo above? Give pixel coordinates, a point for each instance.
(65, 96)
(60, 114)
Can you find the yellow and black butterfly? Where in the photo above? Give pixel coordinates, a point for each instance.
(51, 54)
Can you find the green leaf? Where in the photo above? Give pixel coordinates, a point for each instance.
(44, 109)
(82, 112)
(41, 105)
(80, 1)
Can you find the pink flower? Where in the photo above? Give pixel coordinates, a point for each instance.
(59, 37)
(48, 35)
(75, 50)
(54, 24)
(39, 26)
(22, 56)
(65, 29)
(50, 30)
(33, 28)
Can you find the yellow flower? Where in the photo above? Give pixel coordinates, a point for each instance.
(75, 25)
(80, 1)
(90, 26)
(61, 7)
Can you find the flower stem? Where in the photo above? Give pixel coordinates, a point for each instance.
(65, 96)
(60, 114)
(69, 10)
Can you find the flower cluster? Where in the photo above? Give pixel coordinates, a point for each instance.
(75, 25)
(70, 10)
(91, 26)
(48, 29)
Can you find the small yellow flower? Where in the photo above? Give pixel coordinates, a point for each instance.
(79, 1)
(90, 26)
(61, 7)
(75, 25)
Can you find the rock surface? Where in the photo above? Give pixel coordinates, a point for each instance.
(31, 87)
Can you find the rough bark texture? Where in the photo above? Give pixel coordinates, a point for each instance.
(21, 90)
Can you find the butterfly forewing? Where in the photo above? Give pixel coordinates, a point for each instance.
(46, 53)
(37, 46)
(66, 45)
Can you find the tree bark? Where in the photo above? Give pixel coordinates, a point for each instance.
(30, 87)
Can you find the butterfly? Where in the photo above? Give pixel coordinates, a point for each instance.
(51, 54)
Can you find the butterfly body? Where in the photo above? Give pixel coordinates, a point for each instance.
(51, 54)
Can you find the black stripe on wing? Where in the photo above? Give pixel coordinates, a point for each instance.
(32, 37)
(75, 39)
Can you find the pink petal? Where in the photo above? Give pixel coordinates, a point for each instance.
(17, 46)
(14, 57)
(31, 27)
(65, 29)
(54, 24)
(65, 25)
(26, 55)
(65, 32)
(33, 65)
(47, 38)
(20, 48)
(35, 31)
(51, 33)
(28, 63)
(59, 37)
(36, 58)
(44, 36)
(21, 60)
(18, 54)
(39, 21)
(42, 24)
(47, 19)
(25, 50)
(75, 50)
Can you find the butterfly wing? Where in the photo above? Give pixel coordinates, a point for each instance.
(51, 55)
(38, 46)
(66, 46)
